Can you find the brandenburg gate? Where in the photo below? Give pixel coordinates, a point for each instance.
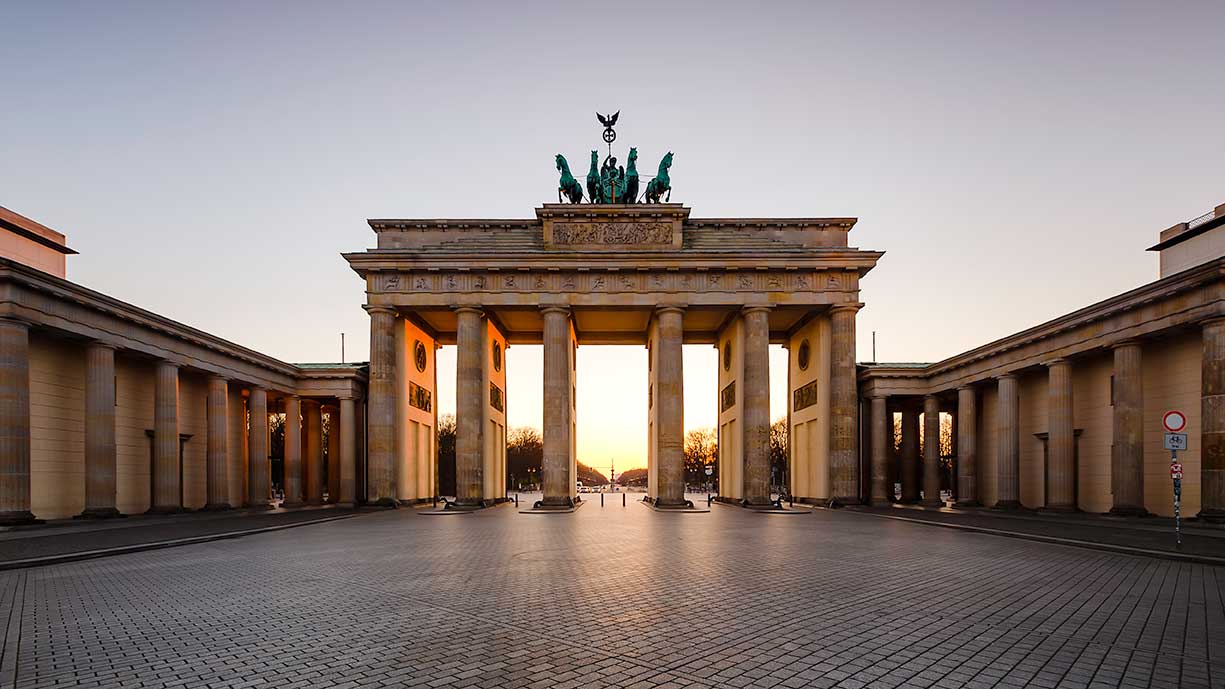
(643, 274)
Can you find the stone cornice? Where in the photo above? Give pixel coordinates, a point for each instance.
(1190, 297)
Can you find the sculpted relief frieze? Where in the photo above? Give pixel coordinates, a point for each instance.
(612, 232)
(613, 282)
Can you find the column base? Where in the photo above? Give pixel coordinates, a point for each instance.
(1058, 509)
(384, 503)
(661, 504)
(170, 509)
(1007, 505)
(217, 507)
(1129, 511)
(344, 505)
(99, 513)
(18, 518)
(554, 503)
(847, 501)
(880, 502)
(966, 504)
(315, 503)
(289, 505)
(1212, 516)
(469, 505)
(259, 506)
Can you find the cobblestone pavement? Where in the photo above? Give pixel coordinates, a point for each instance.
(615, 597)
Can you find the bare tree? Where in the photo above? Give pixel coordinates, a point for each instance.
(701, 448)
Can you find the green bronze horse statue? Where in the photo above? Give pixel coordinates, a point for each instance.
(629, 185)
(595, 191)
(661, 183)
(568, 185)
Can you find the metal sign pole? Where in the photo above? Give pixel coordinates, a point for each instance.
(1177, 498)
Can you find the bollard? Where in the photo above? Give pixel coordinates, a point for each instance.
(601, 499)
(623, 499)
(516, 499)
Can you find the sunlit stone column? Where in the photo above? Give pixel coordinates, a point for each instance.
(843, 406)
(1127, 446)
(1061, 440)
(100, 431)
(293, 451)
(257, 449)
(15, 423)
(218, 450)
(471, 398)
(967, 447)
(910, 453)
(312, 451)
(756, 412)
(348, 451)
(167, 492)
(931, 452)
(669, 396)
(333, 461)
(882, 447)
(1008, 444)
(1212, 435)
(381, 424)
(558, 484)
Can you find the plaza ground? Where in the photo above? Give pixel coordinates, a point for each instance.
(615, 596)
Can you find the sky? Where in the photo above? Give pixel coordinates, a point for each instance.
(211, 160)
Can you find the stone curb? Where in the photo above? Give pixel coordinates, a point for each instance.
(1072, 542)
(155, 545)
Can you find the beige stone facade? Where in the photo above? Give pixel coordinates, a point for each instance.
(1067, 415)
(648, 276)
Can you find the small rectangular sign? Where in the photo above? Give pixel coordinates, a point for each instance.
(1175, 441)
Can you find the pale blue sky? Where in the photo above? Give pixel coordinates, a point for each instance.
(211, 160)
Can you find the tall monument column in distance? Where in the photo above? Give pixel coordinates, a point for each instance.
(167, 492)
(293, 452)
(756, 412)
(382, 407)
(1061, 439)
(1008, 444)
(669, 396)
(15, 423)
(217, 451)
(1212, 410)
(843, 406)
(910, 454)
(471, 398)
(1127, 444)
(931, 452)
(882, 447)
(559, 485)
(100, 431)
(257, 449)
(967, 447)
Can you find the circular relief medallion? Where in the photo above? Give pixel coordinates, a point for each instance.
(802, 355)
(497, 356)
(727, 355)
(419, 355)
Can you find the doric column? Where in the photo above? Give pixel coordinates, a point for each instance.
(381, 423)
(882, 447)
(558, 484)
(756, 411)
(333, 461)
(471, 398)
(1212, 433)
(100, 431)
(312, 451)
(348, 451)
(1008, 444)
(931, 452)
(843, 406)
(15, 423)
(910, 453)
(967, 447)
(218, 452)
(257, 449)
(293, 452)
(670, 398)
(167, 491)
(1127, 445)
(1061, 440)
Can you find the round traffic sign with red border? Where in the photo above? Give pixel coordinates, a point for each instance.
(1174, 421)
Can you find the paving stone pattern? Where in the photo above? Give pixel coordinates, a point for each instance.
(615, 597)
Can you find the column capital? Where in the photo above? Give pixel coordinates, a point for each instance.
(756, 308)
(101, 344)
(1218, 320)
(311, 401)
(1129, 342)
(967, 386)
(218, 377)
(555, 308)
(168, 363)
(851, 306)
(469, 308)
(670, 308)
(380, 308)
(1059, 361)
(1006, 376)
(14, 321)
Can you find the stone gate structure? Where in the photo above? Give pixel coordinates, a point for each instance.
(645, 275)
